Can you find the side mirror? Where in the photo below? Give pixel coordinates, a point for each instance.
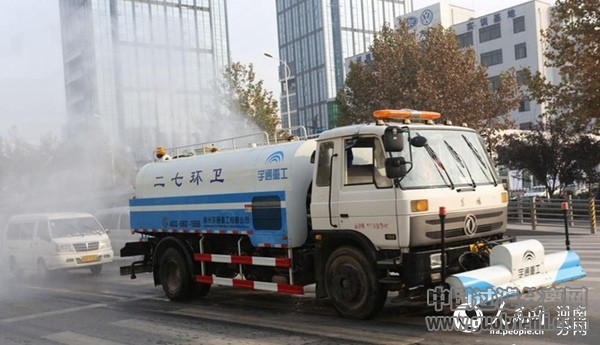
(392, 139)
(395, 167)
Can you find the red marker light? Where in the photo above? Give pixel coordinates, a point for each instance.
(442, 211)
(564, 205)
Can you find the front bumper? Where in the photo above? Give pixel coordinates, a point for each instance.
(79, 259)
(417, 267)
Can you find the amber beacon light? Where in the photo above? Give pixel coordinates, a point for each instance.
(406, 114)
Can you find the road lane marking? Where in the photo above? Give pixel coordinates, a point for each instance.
(153, 327)
(320, 330)
(192, 336)
(54, 312)
(71, 338)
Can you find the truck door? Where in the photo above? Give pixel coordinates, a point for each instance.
(366, 200)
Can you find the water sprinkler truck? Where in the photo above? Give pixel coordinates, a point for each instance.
(402, 204)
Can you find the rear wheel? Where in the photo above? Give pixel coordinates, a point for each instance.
(14, 268)
(175, 276)
(353, 285)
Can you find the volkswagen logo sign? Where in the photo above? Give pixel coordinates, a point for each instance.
(470, 226)
(426, 17)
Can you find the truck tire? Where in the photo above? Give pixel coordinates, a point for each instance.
(175, 276)
(353, 285)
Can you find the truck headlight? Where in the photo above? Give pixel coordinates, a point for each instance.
(435, 261)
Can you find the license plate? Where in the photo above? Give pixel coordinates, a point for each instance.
(89, 258)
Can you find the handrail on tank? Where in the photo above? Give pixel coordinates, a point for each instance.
(290, 137)
(209, 146)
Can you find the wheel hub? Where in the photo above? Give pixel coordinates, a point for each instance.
(346, 284)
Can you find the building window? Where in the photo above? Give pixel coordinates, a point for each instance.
(494, 82)
(492, 58)
(465, 40)
(520, 51)
(526, 126)
(519, 24)
(489, 33)
(521, 77)
(524, 105)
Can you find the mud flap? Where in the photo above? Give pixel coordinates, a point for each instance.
(515, 268)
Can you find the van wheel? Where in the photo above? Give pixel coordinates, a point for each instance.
(175, 276)
(96, 269)
(14, 268)
(352, 284)
(42, 269)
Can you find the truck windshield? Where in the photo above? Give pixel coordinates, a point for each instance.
(74, 227)
(461, 153)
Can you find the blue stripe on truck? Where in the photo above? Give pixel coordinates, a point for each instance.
(148, 215)
(203, 199)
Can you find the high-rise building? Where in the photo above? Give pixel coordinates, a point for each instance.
(315, 37)
(143, 69)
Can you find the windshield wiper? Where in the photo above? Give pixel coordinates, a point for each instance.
(462, 163)
(438, 164)
(481, 161)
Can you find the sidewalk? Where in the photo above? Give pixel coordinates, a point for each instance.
(551, 229)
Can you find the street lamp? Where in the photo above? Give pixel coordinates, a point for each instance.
(288, 74)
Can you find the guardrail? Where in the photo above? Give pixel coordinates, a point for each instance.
(542, 211)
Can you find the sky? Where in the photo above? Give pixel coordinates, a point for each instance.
(31, 79)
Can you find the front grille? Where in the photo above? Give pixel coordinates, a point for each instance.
(86, 246)
(449, 220)
(460, 232)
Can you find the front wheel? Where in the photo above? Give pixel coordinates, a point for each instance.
(96, 269)
(353, 285)
(175, 276)
(42, 269)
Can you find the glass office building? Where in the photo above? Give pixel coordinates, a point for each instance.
(143, 69)
(315, 36)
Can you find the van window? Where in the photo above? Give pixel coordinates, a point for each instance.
(43, 232)
(125, 222)
(74, 227)
(109, 221)
(20, 231)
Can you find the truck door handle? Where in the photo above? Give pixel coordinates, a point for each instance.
(344, 215)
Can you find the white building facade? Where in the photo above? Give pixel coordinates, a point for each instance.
(509, 38)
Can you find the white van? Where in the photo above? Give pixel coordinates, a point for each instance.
(116, 223)
(55, 241)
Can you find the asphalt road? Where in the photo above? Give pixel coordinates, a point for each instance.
(80, 309)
